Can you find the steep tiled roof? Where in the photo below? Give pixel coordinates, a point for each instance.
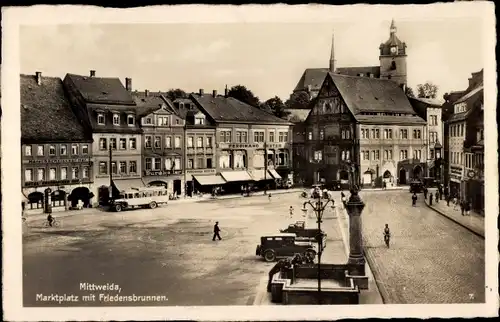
(364, 94)
(313, 77)
(477, 90)
(428, 101)
(46, 114)
(297, 115)
(355, 71)
(228, 109)
(101, 90)
(389, 119)
(146, 104)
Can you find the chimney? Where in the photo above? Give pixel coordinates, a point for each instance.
(146, 92)
(92, 73)
(214, 93)
(201, 91)
(38, 78)
(226, 91)
(128, 84)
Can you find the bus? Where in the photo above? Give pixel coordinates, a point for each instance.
(146, 197)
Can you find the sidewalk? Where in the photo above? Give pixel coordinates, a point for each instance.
(99, 210)
(473, 222)
(337, 251)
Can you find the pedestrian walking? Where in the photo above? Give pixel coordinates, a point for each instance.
(216, 231)
(269, 197)
(414, 199)
(468, 205)
(425, 192)
(462, 207)
(291, 211)
(437, 196)
(447, 200)
(455, 203)
(430, 199)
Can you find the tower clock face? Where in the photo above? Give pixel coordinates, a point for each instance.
(393, 50)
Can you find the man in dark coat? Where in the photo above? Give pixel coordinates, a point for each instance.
(414, 199)
(216, 231)
(430, 199)
(425, 192)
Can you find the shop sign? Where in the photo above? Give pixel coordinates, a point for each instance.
(52, 183)
(200, 171)
(162, 173)
(38, 161)
(242, 146)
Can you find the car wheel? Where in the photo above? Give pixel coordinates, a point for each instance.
(153, 205)
(118, 208)
(269, 256)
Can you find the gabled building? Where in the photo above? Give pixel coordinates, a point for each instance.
(431, 111)
(162, 143)
(364, 129)
(300, 165)
(252, 145)
(466, 144)
(392, 58)
(108, 110)
(56, 148)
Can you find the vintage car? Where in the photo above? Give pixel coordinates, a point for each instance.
(284, 245)
(416, 186)
(300, 230)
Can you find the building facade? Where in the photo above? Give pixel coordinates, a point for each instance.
(466, 145)
(251, 145)
(431, 111)
(162, 142)
(108, 110)
(364, 130)
(56, 149)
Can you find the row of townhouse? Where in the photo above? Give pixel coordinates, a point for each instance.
(82, 132)
(464, 144)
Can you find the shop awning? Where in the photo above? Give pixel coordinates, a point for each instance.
(235, 176)
(259, 175)
(127, 184)
(274, 174)
(209, 180)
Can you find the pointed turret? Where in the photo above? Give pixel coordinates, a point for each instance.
(393, 27)
(332, 55)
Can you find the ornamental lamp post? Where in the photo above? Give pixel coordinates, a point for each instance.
(318, 205)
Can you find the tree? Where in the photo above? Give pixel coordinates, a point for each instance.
(427, 90)
(298, 99)
(276, 106)
(243, 94)
(173, 94)
(409, 92)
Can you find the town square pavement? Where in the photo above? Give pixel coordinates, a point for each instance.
(169, 251)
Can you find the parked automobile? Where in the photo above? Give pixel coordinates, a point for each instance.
(303, 233)
(333, 185)
(416, 186)
(283, 245)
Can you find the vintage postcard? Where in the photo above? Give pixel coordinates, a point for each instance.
(249, 163)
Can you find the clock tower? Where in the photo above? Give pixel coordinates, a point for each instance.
(393, 58)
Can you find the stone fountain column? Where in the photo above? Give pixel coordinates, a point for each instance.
(356, 261)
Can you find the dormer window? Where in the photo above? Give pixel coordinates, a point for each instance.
(199, 120)
(162, 120)
(100, 118)
(148, 121)
(116, 119)
(130, 120)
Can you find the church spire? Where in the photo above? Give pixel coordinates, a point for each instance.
(332, 55)
(393, 27)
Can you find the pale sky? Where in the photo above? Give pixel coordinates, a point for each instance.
(268, 58)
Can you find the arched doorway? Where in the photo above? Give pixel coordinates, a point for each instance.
(58, 198)
(367, 177)
(387, 174)
(344, 175)
(103, 195)
(80, 193)
(417, 172)
(158, 183)
(402, 176)
(35, 200)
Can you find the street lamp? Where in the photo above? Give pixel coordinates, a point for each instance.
(318, 205)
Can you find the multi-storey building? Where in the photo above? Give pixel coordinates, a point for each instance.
(392, 66)
(300, 165)
(251, 145)
(365, 129)
(430, 110)
(56, 148)
(108, 110)
(200, 170)
(466, 144)
(162, 143)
